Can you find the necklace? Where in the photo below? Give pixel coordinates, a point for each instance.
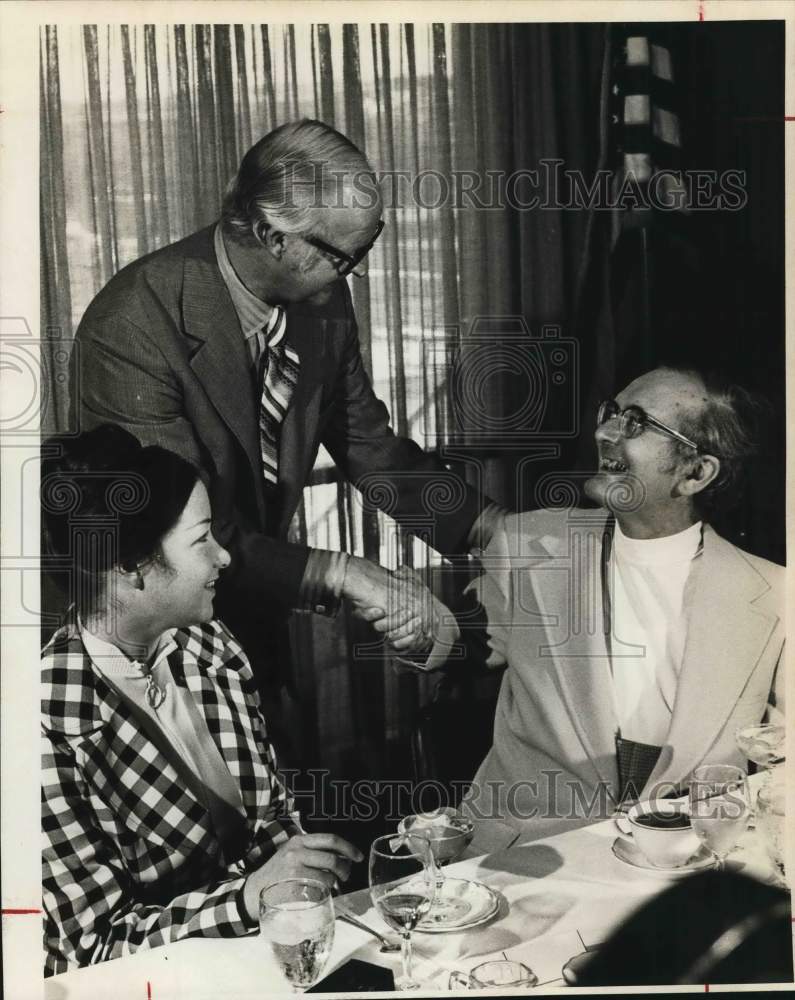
(155, 695)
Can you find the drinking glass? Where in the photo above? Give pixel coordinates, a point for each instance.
(770, 824)
(498, 975)
(719, 807)
(296, 918)
(763, 744)
(448, 834)
(401, 888)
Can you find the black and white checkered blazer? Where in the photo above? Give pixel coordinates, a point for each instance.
(130, 856)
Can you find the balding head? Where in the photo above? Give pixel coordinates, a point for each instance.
(725, 420)
(300, 178)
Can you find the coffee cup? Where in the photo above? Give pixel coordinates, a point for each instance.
(662, 831)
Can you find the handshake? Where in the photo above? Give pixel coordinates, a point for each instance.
(402, 608)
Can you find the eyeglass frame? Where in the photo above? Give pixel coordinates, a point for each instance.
(645, 420)
(351, 261)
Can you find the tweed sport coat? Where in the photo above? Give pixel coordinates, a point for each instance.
(552, 764)
(130, 856)
(160, 352)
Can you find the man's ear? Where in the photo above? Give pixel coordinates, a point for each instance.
(699, 474)
(270, 238)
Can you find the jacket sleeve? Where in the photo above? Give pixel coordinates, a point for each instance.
(119, 375)
(91, 903)
(393, 472)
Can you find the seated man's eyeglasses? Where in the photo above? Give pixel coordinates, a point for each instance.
(344, 262)
(634, 420)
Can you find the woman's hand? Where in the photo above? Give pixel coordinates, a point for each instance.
(321, 856)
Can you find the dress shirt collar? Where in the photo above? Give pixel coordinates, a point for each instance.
(254, 314)
(681, 547)
(112, 662)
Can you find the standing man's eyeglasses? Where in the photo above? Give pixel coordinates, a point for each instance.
(346, 262)
(634, 420)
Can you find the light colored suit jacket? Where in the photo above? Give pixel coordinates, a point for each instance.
(552, 764)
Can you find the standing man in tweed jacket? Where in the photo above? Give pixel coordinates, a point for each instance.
(237, 348)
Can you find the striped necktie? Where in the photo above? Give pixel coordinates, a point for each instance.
(278, 377)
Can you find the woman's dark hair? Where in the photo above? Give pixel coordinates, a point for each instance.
(107, 501)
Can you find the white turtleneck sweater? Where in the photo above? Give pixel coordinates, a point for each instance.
(649, 604)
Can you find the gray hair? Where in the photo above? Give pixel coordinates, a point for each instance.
(728, 427)
(291, 171)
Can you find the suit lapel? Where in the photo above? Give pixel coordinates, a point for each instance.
(223, 366)
(728, 627)
(223, 708)
(220, 360)
(125, 745)
(567, 588)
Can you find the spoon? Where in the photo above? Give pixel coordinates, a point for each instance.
(387, 946)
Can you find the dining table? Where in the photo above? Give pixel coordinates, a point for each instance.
(558, 897)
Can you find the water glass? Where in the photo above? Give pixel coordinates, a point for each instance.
(296, 918)
(719, 807)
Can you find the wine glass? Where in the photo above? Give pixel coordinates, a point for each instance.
(448, 834)
(771, 825)
(719, 807)
(401, 888)
(763, 744)
(296, 918)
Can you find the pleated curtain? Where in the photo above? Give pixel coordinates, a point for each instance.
(142, 128)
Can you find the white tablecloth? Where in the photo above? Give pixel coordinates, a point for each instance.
(560, 895)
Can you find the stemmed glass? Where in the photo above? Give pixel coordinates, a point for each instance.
(763, 744)
(448, 834)
(770, 822)
(296, 918)
(401, 888)
(719, 807)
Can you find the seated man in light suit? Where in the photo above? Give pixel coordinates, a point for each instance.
(637, 640)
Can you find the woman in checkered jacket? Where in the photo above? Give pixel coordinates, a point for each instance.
(162, 811)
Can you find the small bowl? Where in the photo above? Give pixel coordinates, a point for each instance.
(664, 847)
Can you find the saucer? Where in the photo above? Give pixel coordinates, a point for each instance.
(462, 904)
(630, 854)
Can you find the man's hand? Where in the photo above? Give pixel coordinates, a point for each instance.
(321, 856)
(398, 605)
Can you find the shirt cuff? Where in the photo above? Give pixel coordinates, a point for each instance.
(321, 584)
(484, 525)
(442, 645)
(250, 923)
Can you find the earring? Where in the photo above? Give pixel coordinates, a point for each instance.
(139, 579)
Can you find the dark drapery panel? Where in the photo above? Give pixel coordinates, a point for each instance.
(525, 108)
